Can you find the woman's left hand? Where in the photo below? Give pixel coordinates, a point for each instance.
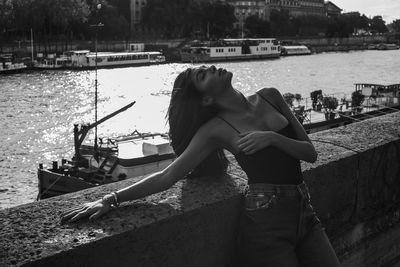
(251, 142)
(93, 210)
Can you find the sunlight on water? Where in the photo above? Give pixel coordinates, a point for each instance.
(38, 109)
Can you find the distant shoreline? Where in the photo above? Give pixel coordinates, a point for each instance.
(170, 48)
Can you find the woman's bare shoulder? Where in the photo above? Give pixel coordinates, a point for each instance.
(271, 92)
(216, 130)
(213, 127)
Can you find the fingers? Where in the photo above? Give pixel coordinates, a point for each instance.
(244, 143)
(249, 149)
(244, 134)
(81, 215)
(97, 214)
(71, 210)
(71, 213)
(93, 210)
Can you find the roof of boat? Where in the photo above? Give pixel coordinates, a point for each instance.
(377, 85)
(295, 46)
(117, 54)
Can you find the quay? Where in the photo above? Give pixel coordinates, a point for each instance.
(355, 189)
(171, 48)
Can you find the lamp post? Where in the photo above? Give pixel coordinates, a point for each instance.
(96, 26)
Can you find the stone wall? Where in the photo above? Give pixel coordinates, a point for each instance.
(318, 45)
(355, 188)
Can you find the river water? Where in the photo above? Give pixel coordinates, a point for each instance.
(38, 109)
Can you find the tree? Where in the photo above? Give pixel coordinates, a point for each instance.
(280, 22)
(257, 26)
(180, 18)
(5, 15)
(395, 25)
(219, 18)
(309, 25)
(340, 26)
(115, 25)
(378, 24)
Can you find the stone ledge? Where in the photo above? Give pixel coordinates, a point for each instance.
(194, 222)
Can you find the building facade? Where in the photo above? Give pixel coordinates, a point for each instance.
(331, 9)
(262, 8)
(299, 7)
(245, 9)
(136, 13)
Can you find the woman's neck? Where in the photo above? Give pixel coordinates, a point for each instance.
(233, 101)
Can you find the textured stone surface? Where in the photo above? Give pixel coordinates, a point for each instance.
(354, 185)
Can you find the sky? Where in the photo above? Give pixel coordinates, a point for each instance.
(388, 9)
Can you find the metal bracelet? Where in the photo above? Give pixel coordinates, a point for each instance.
(116, 198)
(109, 199)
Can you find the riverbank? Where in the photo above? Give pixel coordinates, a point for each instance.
(170, 48)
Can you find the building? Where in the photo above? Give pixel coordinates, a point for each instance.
(299, 7)
(331, 9)
(136, 13)
(293, 7)
(260, 8)
(245, 9)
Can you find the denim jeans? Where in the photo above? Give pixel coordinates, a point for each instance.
(280, 228)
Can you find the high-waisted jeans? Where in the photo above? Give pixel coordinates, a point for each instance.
(280, 228)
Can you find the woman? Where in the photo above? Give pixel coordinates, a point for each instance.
(206, 115)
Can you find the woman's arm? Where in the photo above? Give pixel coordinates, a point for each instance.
(201, 145)
(300, 148)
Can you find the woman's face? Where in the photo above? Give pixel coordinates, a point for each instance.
(210, 80)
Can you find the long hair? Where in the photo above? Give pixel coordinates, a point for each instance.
(186, 114)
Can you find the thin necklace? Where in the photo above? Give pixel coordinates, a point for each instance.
(245, 100)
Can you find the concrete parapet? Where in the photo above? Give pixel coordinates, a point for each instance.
(355, 188)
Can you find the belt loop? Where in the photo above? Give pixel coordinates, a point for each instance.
(277, 190)
(301, 191)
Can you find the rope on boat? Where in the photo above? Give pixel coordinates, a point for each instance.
(47, 189)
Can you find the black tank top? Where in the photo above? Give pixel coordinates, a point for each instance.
(270, 165)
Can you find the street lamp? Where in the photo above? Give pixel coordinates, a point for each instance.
(96, 26)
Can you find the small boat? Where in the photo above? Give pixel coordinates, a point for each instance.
(230, 49)
(111, 160)
(84, 59)
(384, 46)
(379, 94)
(293, 50)
(8, 66)
(51, 62)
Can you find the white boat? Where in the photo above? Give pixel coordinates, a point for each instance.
(378, 95)
(231, 49)
(118, 159)
(114, 159)
(7, 66)
(51, 61)
(292, 50)
(87, 59)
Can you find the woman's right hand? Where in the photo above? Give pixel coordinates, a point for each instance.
(93, 210)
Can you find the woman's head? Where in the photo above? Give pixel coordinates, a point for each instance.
(192, 105)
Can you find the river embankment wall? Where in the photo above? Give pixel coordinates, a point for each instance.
(354, 184)
(318, 45)
(169, 47)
